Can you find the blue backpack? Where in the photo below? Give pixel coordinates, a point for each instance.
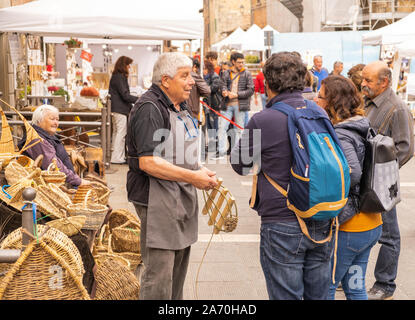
(320, 176)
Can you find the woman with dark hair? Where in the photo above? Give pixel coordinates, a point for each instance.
(121, 104)
(358, 231)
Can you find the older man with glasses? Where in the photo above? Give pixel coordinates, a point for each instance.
(163, 175)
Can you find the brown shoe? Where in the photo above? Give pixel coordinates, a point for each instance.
(379, 294)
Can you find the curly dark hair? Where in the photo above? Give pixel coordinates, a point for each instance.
(342, 98)
(284, 71)
(355, 74)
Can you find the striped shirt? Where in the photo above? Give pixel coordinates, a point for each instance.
(389, 116)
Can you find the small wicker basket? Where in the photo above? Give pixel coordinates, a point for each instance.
(95, 214)
(69, 226)
(53, 175)
(126, 238)
(133, 258)
(120, 216)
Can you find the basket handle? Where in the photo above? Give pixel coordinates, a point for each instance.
(52, 166)
(109, 244)
(86, 198)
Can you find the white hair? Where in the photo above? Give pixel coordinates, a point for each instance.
(41, 112)
(168, 64)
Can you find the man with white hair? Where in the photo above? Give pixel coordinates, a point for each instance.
(318, 70)
(45, 121)
(389, 116)
(163, 175)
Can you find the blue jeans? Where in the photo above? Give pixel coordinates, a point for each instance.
(294, 267)
(386, 268)
(223, 124)
(352, 257)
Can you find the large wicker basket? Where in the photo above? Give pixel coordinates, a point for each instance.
(14, 172)
(115, 281)
(56, 239)
(46, 270)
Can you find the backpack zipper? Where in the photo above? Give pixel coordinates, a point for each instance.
(338, 161)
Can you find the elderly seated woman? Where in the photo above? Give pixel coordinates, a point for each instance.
(45, 121)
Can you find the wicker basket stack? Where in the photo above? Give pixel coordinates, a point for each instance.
(120, 237)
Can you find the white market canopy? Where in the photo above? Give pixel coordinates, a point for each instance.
(120, 19)
(394, 33)
(254, 39)
(249, 40)
(234, 39)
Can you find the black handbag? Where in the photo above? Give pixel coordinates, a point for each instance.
(379, 186)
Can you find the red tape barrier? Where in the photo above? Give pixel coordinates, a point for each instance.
(220, 115)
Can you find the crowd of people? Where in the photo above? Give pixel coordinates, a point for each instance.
(162, 183)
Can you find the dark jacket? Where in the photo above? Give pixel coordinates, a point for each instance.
(352, 135)
(200, 88)
(274, 156)
(245, 88)
(389, 116)
(213, 81)
(121, 99)
(52, 148)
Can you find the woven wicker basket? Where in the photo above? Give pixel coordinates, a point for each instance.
(133, 258)
(46, 206)
(56, 239)
(126, 238)
(59, 198)
(14, 172)
(102, 192)
(105, 255)
(85, 195)
(41, 273)
(120, 216)
(53, 175)
(15, 191)
(115, 281)
(95, 214)
(69, 226)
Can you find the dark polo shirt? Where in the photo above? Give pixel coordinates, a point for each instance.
(149, 114)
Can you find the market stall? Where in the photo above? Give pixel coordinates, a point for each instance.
(61, 213)
(95, 19)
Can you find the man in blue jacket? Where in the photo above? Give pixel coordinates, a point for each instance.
(318, 70)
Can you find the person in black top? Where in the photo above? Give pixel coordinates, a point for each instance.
(121, 104)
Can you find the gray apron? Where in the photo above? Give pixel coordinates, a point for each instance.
(172, 213)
